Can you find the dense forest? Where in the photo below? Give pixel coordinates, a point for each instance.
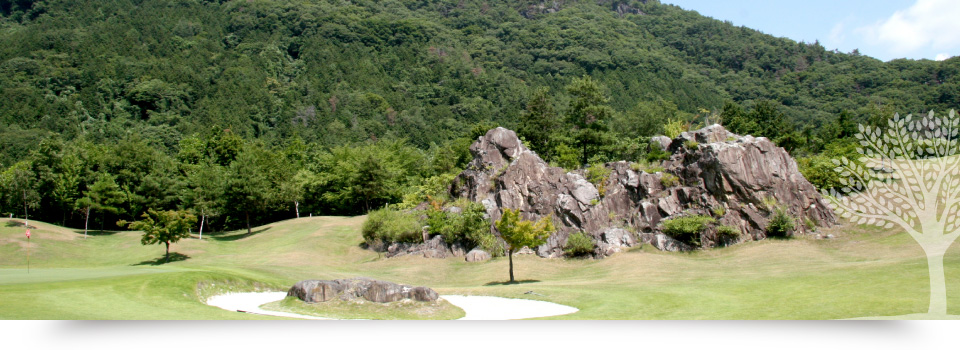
(252, 111)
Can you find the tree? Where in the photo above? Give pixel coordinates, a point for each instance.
(204, 191)
(922, 193)
(104, 196)
(163, 227)
(735, 119)
(292, 189)
(646, 119)
(539, 122)
(519, 233)
(248, 187)
(588, 116)
(19, 184)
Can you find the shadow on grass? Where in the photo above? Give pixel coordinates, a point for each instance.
(220, 236)
(15, 223)
(96, 232)
(174, 257)
(511, 283)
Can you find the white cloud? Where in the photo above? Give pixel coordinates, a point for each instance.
(928, 24)
(837, 34)
(942, 56)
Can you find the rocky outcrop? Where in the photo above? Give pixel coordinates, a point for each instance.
(711, 172)
(543, 7)
(435, 247)
(315, 291)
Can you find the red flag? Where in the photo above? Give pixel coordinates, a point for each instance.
(28, 233)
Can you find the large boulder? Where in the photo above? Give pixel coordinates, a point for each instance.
(314, 291)
(477, 255)
(717, 172)
(434, 247)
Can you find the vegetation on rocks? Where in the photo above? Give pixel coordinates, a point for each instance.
(386, 226)
(688, 229)
(781, 224)
(579, 245)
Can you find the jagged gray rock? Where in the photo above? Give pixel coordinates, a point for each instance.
(314, 291)
(724, 170)
(434, 247)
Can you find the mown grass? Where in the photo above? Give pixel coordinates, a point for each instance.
(864, 272)
(367, 310)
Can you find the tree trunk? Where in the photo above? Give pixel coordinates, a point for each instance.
(510, 255)
(938, 287)
(296, 206)
(248, 223)
(86, 223)
(26, 215)
(202, 219)
(167, 258)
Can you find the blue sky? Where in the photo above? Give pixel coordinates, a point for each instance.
(885, 29)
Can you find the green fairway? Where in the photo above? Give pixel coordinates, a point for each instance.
(863, 272)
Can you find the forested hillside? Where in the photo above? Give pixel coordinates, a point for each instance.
(251, 110)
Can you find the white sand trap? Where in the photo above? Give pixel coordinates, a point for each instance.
(250, 303)
(496, 308)
(475, 307)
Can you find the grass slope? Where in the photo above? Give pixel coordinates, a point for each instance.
(862, 273)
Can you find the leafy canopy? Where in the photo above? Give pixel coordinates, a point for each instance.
(518, 232)
(163, 226)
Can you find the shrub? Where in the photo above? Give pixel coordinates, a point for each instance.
(781, 224)
(687, 229)
(469, 227)
(669, 180)
(434, 187)
(655, 169)
(578, 244)
(392, 226)
(691, 144)
(769, 203)
(728, 232)
(657, 155)
(566, 157)
(598, 174)
(719, 211)
(812, 225)
(675, 127)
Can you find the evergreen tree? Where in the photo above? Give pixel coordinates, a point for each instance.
(538, 123)
(588, 116)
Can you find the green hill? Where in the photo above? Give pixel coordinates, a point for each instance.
(336, 72)
(335, 108)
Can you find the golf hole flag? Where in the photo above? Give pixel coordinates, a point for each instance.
(28, 233)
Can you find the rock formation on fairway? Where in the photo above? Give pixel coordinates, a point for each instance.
(314, 291)
(711, 172)
(435, 247)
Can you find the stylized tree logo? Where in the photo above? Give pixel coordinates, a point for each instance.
(916, 186)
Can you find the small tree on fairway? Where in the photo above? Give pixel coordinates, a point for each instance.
(163, 227)
(518, 232)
